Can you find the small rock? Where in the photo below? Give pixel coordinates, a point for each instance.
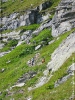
(8, 61)
(2, 70)
(0, 92)
(37, 47)
(51, 42)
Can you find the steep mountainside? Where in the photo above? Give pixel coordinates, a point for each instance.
(37, 50)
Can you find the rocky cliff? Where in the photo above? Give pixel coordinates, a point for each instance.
(64, 18)
(30, 16)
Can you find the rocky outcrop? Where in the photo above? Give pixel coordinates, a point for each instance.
(45, 5)
(62, 53)
(9, 36)
(22, 80)
(1, 45)
(26, 77)
(24, 36)
(12, 21)
(70, 72)
(4, 53)
(64, 18)
(29, 17)
(62, 80)
(46, 24)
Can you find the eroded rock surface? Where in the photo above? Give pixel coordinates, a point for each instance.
(62, 53)
(64, 18)
(30, 16)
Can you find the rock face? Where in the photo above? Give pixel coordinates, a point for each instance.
(29, 17)
(62, 53)
(64, 19)
(9, 36)
(12, 21)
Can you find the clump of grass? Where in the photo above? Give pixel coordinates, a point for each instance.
(43, 36)
(10, 44)
(29, 27)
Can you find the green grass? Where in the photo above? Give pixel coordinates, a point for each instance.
(9, 45)
(44, 35)
(62, 92)
(23, 28)
(10, 7)
(18, 66)
(29, 27)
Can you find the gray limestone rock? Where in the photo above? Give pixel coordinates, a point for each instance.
(62, 80)
(45, 5)
(62, 53)
(1, 45)
(4, 53)
(30, 17)
(37, 47)
(46, 24)
(26, 77)
(70, 71)
(64, 18)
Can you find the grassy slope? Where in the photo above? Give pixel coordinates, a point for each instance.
(18, 6)
(64, 91)
(18, 66)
